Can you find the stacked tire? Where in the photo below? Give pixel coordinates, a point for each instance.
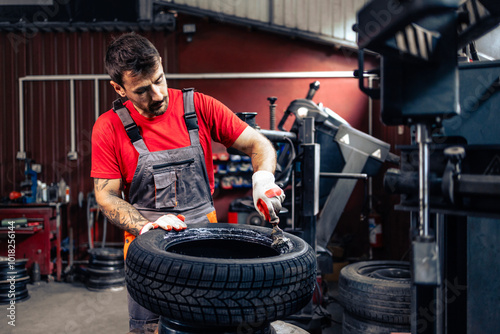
(13, 280)
(376, 297)
(106, 270)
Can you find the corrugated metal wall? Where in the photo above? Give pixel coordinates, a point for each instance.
(46, 104)
(47, 131)
(331, 20)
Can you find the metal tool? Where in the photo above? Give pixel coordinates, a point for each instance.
(280, 242)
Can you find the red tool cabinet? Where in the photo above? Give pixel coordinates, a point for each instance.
(36, 242)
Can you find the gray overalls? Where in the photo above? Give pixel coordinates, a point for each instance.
(171, 181)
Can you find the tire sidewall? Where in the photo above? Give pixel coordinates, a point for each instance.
(370, 297)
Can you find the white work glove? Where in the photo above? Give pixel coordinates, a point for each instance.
(267, 196)
(167, 222)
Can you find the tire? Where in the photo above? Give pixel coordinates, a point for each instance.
(13, 272)
(18, 296)
(20, 279)
(219, 275)
(17, 292)
(5, 265)
(103, 261)
(106, 269)
(5, 288)
(106, 272)
(377, 290)
(106, 254)
(101, 283)
(355, 325)
(107, 264)
(255, 219)
(17, 274)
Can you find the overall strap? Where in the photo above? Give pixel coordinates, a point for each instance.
(190, 115)
(192, 125)
(130, 127)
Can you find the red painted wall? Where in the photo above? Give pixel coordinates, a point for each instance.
(221, 48)
(216, 48)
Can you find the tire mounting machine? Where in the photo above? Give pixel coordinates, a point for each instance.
(449, 179)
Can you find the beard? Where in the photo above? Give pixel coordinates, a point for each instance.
(158, 108)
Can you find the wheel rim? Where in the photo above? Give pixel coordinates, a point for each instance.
(390, 272)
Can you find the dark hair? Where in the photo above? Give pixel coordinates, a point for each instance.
(130, 52)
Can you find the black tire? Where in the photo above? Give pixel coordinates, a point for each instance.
(355, 325)
(377, 290)
(255, 219)
(20, 279)
(18, 295)
(100, 283)
(107, 264)
(6, 288)
(106, 269)
(105, 272)
(216, 275)
(5, 265)
(15, 274)
(106, 254)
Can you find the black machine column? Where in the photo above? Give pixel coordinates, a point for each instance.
(450, 181)
(310, 181)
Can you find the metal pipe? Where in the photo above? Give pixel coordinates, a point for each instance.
(422, 138)
(278, 136)
(272, 112)
(370, 132)
(58, 236)
(72, 155)
(345, 175)
(170, 76)
(65, 77)
(21, 154)
(236, 75)
(263, 75)
(96, 98)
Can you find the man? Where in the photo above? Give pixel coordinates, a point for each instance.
(156, 150)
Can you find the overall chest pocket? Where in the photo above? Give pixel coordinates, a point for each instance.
(165, 179)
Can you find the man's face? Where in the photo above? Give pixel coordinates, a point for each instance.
(148, 91)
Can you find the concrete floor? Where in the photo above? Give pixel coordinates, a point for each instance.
(60, 308)
(70, 308)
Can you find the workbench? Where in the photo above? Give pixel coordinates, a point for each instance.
(48, 223)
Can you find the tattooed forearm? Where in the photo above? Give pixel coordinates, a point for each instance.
(118, 211)
(125, 216)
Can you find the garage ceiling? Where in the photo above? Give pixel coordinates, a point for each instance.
(326, 21)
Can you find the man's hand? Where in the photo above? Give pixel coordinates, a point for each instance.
(167, 222)
(267, 196)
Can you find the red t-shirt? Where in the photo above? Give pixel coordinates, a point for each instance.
(114, 156)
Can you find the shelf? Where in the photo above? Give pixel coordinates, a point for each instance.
(21, 230)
